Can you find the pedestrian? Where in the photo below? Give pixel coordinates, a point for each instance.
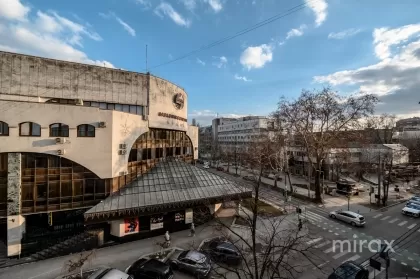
(167, 239)
(192, 230)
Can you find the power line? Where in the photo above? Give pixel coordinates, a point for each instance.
(240, 33)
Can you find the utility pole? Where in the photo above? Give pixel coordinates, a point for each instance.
(379, 180)
(147, 67)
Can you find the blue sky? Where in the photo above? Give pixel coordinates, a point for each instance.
(352, 45)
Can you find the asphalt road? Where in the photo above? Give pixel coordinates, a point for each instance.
(385, 225)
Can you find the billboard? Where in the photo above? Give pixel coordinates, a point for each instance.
(131, 225)
(156, 223)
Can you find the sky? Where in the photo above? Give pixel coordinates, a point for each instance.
(370, 46)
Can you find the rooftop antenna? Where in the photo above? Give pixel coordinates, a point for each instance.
(147, 69)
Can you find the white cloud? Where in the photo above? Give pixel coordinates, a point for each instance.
(216, 5)
(127, 27)
(385, 38)
(166, 9)
(221, 61)
(296, 32)
(319, 7)
(145, 3)
(204, 117)
(238, 77)
(49, 35)
(13, 10)
(201, 62)
(395, 79)
(256, 57)
(189, 4)
(344, 34)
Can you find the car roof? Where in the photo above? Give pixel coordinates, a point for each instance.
(352, 213)
(227, 245)
(195, 256)
(109, 273)
(151, 264)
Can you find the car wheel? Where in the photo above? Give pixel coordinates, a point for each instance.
(174, 266)
(332, 216)
(353, 224)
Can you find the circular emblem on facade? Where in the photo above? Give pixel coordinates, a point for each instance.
(178, 100)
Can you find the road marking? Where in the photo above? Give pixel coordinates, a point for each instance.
(39, 275)
(314, 240)
(354, 258)
(362, 233)
(330, 231)
(403, 263)
(410, 259)
(324, 228)
(375, 272)
(412, 226)
(337, 228)
(340, 254)
(336, 233)
(416, 269)
(416, 254)
(376, 216)
(329, 250)
(386, 217)
(394, 259)
(320, 265)
(402, 223)
(343, 231)
(394, 220)
(323, 244)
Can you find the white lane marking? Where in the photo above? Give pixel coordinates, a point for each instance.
(376, 216)
(324, 229)
(402, 223)
(394, 259)
(362, 233)
(320, 265)
(375, 272)
(354, 258)
(323, 244)
(416, 269)
(314, 240)
(410, 259)
(39, 275)
(403, 263)
(343, 231)
(386, 217)
(329, 250)
(340, 254)
(393, 220)
(412, 226)
(336, 233)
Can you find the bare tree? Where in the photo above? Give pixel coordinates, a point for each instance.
(76, 264)
(319, 118)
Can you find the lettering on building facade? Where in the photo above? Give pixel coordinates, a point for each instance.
(167, 115)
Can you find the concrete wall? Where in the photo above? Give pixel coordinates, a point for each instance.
(25, 75)
(192, 133)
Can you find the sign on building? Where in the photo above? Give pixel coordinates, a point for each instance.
(179, 217)
(188, 216)
(156, 223)
(131, 226)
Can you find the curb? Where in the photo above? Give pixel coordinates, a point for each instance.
(394, 204)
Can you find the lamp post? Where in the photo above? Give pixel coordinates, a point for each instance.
(323, 178)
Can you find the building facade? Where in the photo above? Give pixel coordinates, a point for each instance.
(73, 136)
(205, 142)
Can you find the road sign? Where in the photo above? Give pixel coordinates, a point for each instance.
(375, 264)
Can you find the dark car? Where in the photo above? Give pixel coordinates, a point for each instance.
(150, 269)
(220, 168)
(349, 270)
(191, 261)
(223, 251)
(249, 178)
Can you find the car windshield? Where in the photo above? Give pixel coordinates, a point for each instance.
(413, 206)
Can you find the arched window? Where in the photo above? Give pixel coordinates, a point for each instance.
(85, 130)
(29, 129)
(4, 129)
(59, 130)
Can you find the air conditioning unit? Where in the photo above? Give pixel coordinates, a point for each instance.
(60, 140)
(102, 124)
(145, 117)
(79, 102)
(123, 146)
(123, 172)
(122, 152)
(61, 151)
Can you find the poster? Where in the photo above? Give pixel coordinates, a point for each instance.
(131, 226)
(156, 223)
(179, 217)
(188, 216)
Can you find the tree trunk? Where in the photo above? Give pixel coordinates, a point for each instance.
(317, 183)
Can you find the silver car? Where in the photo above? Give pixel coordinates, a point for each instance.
(350, 217)
(192, 262)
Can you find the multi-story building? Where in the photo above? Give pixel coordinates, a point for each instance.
(236, 133)
(83, 145)
(407, 130)
(205, 140)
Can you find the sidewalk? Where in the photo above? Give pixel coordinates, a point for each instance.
(118, 256)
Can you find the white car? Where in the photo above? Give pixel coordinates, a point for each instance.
(350, 217)
(411, 209)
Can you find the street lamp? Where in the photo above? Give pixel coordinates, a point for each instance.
(323, 187)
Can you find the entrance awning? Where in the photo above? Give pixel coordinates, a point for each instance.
(171, 183)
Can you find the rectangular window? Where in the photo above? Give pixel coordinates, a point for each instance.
(118, 107)
(25, 129)
(94, 104)
(66, 190)
(133, 109)
(102, 105)
(110, 106)
(139, 110)
(86, 104)
(126, 108)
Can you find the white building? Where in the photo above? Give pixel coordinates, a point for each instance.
(235, 133)
(82, 144)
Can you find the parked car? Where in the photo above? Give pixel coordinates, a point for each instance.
(411, 209)
(350, 270)
(102, 272)
(150, 269)
(220, 169)
(350, 217)
(191, 261)
(223, 251)
(249, 178)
